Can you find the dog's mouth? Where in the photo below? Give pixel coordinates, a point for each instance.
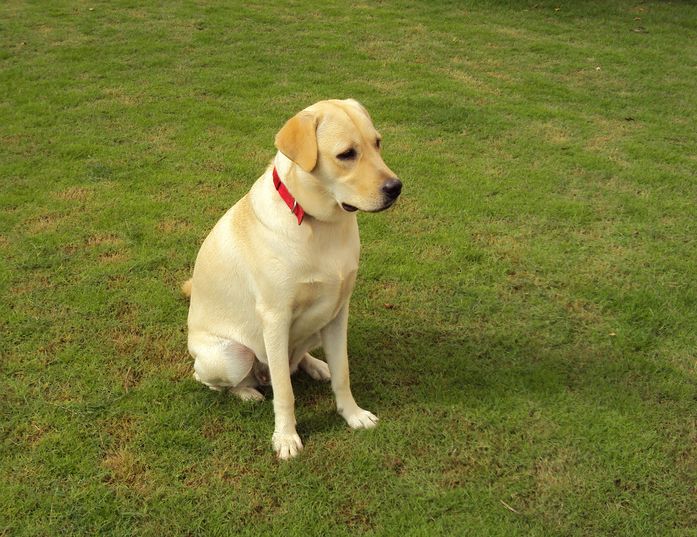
(350, 208)
(386, 206)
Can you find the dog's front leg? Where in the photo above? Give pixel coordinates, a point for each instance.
(286, 441)
(335, 348)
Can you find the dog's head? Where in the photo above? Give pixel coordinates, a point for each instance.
(337, 149)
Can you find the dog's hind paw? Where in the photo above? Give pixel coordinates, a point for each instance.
(317, 369)
(247, 393)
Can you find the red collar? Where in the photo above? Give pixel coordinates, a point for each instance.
(293, 205)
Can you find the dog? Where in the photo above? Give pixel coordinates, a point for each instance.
(273, 279)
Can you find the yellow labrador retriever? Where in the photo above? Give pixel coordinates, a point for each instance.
(274, 277)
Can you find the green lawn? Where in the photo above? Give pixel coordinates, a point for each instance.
(524, 322)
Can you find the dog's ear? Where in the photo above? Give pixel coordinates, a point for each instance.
(298, 140)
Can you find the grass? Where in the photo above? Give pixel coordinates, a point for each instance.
(524, 321)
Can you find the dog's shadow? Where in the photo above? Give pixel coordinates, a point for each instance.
(426, 370)
(422, 369)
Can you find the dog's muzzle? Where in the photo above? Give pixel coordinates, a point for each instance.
(391, 189)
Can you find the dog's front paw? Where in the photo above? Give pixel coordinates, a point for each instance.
(286, 445)
(360, 419)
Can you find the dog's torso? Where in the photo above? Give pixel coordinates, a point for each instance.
(258, 259)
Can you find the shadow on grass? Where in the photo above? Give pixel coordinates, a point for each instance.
(422, 368)
(402, 376)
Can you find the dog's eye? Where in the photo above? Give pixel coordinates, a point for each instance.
(349, 154)
(378, 143)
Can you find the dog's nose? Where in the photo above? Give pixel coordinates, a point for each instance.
(392, 188)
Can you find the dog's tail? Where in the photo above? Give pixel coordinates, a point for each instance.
(186, 288)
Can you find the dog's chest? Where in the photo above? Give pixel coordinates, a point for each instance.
(321, 293)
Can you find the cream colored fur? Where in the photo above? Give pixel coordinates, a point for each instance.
(265, 291)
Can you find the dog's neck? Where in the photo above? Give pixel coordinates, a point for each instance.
(308, 191)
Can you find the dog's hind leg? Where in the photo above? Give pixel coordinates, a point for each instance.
(224, 363)
(317, 369)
